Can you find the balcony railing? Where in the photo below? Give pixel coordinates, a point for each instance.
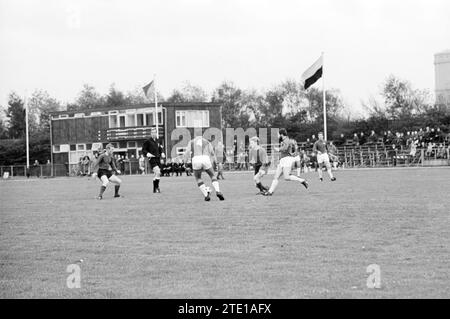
(128, 133)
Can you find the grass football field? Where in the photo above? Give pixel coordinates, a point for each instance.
(315, 243)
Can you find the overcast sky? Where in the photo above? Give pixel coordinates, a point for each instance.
(59, 45)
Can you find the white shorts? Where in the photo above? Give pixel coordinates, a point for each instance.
(323, 158)
(286, 162)
(200, 162)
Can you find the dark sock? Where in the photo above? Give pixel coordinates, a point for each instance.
(154, 184)
(157, 183)
(259, 186)
(102, 190)
(116, 190)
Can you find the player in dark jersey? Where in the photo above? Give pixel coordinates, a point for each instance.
(103, 169)
(201, 153)
(287, 158)
(258, 157)
(320, 148)
(153, 151)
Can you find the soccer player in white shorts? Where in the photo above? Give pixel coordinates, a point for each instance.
(320, 147)
(200, 151)
(287, 154)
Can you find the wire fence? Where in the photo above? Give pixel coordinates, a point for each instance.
(344, 157)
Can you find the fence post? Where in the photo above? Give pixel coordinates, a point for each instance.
(345, 157)
(422, 155)
(354, 158)
(361, 156)
(41, 171)
(12, 171)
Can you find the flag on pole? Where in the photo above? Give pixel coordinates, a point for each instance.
(313, 73)
(148, 89)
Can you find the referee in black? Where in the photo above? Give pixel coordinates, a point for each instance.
(154, 152)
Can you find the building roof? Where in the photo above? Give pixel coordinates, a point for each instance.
(443, 52)
(140, 106)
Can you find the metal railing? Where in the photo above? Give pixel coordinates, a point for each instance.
(348, 157)
(43, 171)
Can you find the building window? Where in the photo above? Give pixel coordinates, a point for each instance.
(56, 149)
(114, 145)
(150, 118)
(63, 116)
(160, 122)
(122, 144)
(140, 120)
(192, 118)
(180, 119)
(121, 121)
(131, 120)
(63, 148)
(81, 147)
(131, 145)
(181, 150)
(78, 115)
(73, 147)
(113, 121)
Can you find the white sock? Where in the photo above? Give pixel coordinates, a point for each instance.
(330, 173)
(295, 178)
(215, 184)
(298, 171)
(273, 186)
(203, 190)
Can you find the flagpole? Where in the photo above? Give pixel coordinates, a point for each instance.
(156, 105)
(51, 147)
(324, 98)
(26, 132)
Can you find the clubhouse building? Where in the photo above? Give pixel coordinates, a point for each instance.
(75, 134)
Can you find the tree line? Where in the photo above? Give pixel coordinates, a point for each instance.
(398, 106)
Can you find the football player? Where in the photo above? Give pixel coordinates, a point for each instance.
(287, 158)
(258, 157)
(201, 153)
(103, 169)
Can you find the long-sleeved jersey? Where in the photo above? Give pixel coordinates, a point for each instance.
(151, 146)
